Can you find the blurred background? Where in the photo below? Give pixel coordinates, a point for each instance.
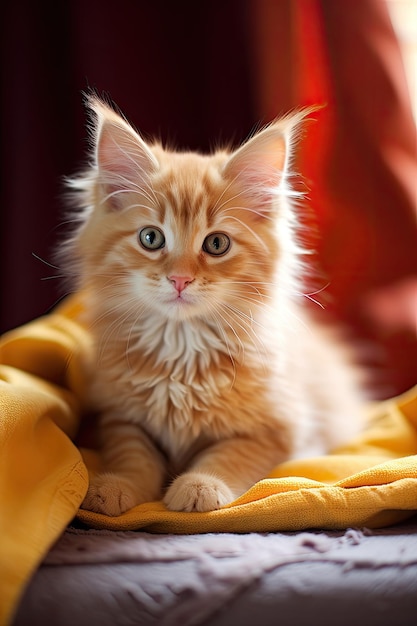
(210, 71)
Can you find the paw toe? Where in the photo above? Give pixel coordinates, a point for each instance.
(109, 494)
(197, 492)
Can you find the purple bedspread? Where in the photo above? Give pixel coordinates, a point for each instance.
(136, 578)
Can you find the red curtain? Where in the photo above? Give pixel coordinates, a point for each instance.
(359, 161)
(210, 71)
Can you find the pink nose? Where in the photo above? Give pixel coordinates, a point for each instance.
(180, 282)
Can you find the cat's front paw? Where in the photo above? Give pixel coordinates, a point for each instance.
(111, 495)
(195, 491)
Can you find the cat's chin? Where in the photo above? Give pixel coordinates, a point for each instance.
(180, 309)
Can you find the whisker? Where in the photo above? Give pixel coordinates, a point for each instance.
(247, 329)
(258, 239)
(129, 190)
(54, 277)
(114, 327)
(142, 308)
(216, 316)
(216, 207)
(308, 296)
(55, 267)
(249, 210)
(313, 300)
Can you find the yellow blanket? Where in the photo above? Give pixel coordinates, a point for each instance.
(44, 475)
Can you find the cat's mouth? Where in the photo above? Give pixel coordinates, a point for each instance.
(181, 300)
(181, 305)
(183, 297)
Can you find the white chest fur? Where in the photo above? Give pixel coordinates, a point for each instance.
(171, 380)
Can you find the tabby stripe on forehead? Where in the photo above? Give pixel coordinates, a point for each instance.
(187, 202)
(160, 209)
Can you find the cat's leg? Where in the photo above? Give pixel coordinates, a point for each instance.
(134, 470)
(224, 471)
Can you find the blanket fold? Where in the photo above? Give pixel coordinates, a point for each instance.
(44, 474)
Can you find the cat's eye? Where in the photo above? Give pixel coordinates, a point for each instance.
(216, 244)
(151, 238)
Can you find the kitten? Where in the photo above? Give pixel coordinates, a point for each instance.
(208, 373)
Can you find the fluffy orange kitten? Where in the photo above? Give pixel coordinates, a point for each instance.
(208, 372)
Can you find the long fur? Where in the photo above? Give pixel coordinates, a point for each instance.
(208, 372)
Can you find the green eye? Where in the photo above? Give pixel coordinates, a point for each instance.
(151, 238)
(216, 244)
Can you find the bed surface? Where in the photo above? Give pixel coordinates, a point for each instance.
(124, 578)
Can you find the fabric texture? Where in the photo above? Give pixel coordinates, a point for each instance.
(223, 579)
(44, 473)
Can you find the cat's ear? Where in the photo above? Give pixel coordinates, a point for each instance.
(261, 164)
(122, 158)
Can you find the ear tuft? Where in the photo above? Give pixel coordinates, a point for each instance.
(123, 159)
(261, 165)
